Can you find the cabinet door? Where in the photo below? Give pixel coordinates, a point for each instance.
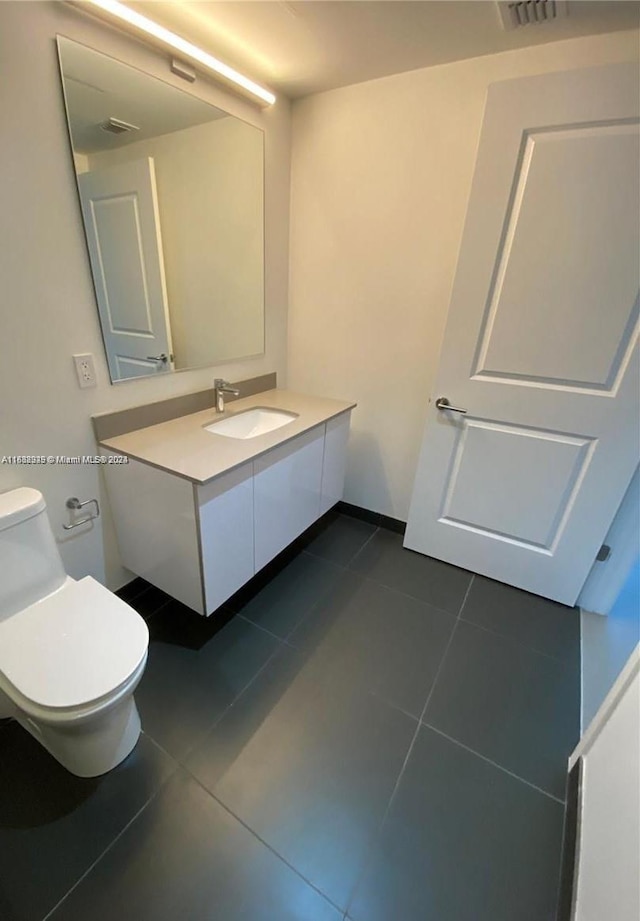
(226, 534)
(155, 523)
(287, 487)
(335, 461)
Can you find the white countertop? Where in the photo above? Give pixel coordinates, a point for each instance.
(183, 447)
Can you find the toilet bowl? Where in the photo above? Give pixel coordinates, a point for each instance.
(71, 652)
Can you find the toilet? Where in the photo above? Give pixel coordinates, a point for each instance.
(71, 652)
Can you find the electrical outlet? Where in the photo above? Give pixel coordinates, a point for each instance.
(85, 370)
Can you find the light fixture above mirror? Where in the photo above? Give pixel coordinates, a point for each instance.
(152, 29)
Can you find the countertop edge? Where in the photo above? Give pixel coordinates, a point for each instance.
(107, 443)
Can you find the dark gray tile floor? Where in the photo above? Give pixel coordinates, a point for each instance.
(362, 734)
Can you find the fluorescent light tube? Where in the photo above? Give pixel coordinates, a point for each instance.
(120, 11)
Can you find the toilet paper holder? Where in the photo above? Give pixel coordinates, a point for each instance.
(74, 504)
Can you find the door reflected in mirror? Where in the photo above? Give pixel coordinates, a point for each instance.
(172, 196)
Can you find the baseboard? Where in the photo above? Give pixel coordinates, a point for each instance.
(376, 518)
(570, 844)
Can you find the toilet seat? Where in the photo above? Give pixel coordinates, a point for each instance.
(72, 716)
(78, 649)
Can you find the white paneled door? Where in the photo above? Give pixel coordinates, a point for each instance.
(122, 224)
(541, 344)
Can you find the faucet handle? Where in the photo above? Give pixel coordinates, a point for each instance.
(225, 387)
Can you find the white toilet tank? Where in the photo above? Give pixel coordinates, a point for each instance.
(30, 564)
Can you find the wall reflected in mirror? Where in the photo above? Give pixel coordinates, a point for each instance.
(172, 196)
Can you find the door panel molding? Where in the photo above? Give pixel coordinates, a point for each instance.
(571, 463)
(543, 254)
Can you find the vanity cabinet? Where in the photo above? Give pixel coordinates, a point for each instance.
(200, 543)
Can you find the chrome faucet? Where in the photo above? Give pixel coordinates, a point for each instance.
(221, 387)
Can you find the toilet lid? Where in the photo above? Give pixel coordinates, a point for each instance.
(73, 647)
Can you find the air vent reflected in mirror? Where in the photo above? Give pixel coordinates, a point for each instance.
(117, 126)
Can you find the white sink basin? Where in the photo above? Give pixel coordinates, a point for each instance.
(251, 423)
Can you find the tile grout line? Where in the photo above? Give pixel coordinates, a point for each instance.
(562, 847)
(181, 764)
(391, 588)
(179, 759)
(273, 636)
(318, 556)
(366, 578)
(516, 642)
(423, 722)
(164, 750)
(393, 706)
(398, 591)
(137, 595)
(325, 559)
(178, 765)
(459, 616)
(155, 611)
(466, 595)
(495, 764)
(471, 623)
(255, 835)
(376, 528)
(224, 712)
(378, 834)
(323, 597)
(286, 639)
(345, 568)
(117, 837)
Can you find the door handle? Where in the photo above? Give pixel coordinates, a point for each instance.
(163, 358)
(443, 404)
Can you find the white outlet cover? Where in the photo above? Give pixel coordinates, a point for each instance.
(85, 370)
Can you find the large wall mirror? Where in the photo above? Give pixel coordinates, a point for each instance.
(172, 197)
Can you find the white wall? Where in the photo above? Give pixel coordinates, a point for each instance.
(381, 174)
(209, 180)
(47, 311)
(612, 589)
(606, 579)
(607, 884)
(606, 643)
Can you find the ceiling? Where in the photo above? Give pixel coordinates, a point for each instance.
(97, 87)
(298, 48)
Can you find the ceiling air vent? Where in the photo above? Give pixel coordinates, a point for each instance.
(117, 126)
(529, 12)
